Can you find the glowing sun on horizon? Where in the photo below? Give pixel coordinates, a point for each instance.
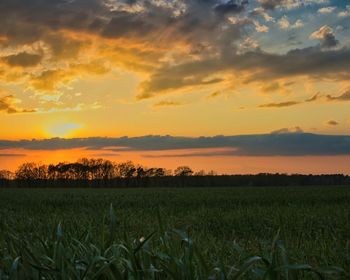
(62, 129)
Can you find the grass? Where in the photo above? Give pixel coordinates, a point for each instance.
(226, 233)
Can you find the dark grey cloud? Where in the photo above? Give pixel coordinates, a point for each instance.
(308, 62)
(23, 59)
(283, 143)
(311, 62)
(24, 22)
(270, 4)
(157, 24)
(203, 26)
(329, 41)
(124, 24)
(27, 21)
(231, 7)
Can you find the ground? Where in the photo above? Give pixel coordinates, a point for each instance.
(313, 222)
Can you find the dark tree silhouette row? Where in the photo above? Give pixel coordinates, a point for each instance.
(104, 173)
(90, 169)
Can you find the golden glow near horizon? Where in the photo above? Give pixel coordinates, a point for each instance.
(180, 68)
(62, 130)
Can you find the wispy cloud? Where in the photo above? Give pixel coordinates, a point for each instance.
(345, 96)
(280, 104)
(167, 103)
(12, 155)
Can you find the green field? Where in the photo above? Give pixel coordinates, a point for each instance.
(313, 223)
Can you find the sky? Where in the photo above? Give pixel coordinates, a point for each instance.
(236, 86)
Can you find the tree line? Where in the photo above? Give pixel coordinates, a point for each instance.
(104, 173)
(92, 169)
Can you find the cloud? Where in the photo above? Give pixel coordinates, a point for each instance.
(295, 129)
(179, 76)
(284, 142)
(289, 4)
(299, 62)
(205, 153)
(345, 13)
(23, 59)
(263, 13)
(104, 155)
(214, 95)
(248, 45)
(8, 105)
(279, 105)
(332, 123)
(154, 35)
(174, 45)
(270, 87)
(167, 103)
(315, 97)
(231, 7)
(284, 23)
(253, 66)
(51, 80)
(327, 10)
(345, 96)
(326, 36)
(270, 4)
(12, 155)
(261, 28)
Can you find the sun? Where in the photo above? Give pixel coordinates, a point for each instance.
(62, 130)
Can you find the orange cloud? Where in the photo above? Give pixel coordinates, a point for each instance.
(8, 105)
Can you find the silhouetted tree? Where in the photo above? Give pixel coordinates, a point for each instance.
(6, 175)
(156, 172)
(140, 172)
(125, 169)
(200, 173)
(30, 171)
(183, 171)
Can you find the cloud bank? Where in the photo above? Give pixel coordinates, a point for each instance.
(284, 142)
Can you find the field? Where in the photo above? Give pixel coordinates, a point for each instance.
(227, 225)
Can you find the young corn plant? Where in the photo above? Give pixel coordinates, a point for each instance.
(163, 254)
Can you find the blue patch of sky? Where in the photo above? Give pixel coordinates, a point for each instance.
(281, 41)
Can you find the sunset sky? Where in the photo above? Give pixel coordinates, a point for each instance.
(240, 86)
